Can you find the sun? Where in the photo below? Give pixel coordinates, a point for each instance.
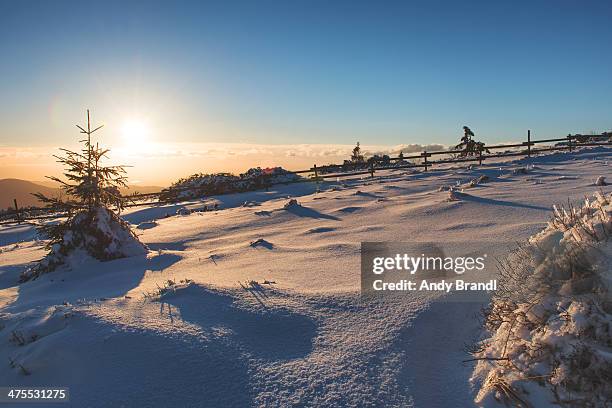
(134, 133)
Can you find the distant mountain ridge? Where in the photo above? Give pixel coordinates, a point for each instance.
(22, 191)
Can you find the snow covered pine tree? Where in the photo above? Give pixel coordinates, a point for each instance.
(91, 227)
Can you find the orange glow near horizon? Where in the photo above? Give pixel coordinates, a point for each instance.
(154, 163)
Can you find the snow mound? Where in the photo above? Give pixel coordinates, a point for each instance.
(99, 233)
(260, 242)
(147, 225)
(292, 203)
(549, 326)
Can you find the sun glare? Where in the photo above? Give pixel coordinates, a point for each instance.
(134, 133)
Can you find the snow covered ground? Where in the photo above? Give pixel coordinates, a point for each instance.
(307, 339)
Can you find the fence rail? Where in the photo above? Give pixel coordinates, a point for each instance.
(318, 173)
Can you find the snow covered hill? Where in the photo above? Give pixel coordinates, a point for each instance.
(118, 333)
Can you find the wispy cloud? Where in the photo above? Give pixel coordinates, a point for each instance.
(18, 153)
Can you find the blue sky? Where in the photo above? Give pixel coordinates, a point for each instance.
(285, 72)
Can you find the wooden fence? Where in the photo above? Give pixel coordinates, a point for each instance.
(570, 142)
(318, 173)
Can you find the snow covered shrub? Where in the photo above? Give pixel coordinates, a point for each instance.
(379, 160)
(479, 180)
(292, 203)
(453, 195)
(482, 179)
(91, 228)
(200, 185)
(601, 181)
(520, 170)
(257, 178)
(183, 211)
(549, 325)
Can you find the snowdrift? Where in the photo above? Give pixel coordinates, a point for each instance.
(550, 324)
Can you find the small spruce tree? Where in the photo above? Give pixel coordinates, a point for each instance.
(357, 157)
(91, 225)
(469, 146)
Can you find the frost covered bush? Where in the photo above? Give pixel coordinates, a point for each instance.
(200, 185)
(91, 228)
(549, 325)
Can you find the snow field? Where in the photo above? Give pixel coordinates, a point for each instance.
(307, 339)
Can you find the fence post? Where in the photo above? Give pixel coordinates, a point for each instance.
(372, 169)
(569, 142)
(425, 159)
(17, 210)
(480, 156)
(529, 143)
(315, 172)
